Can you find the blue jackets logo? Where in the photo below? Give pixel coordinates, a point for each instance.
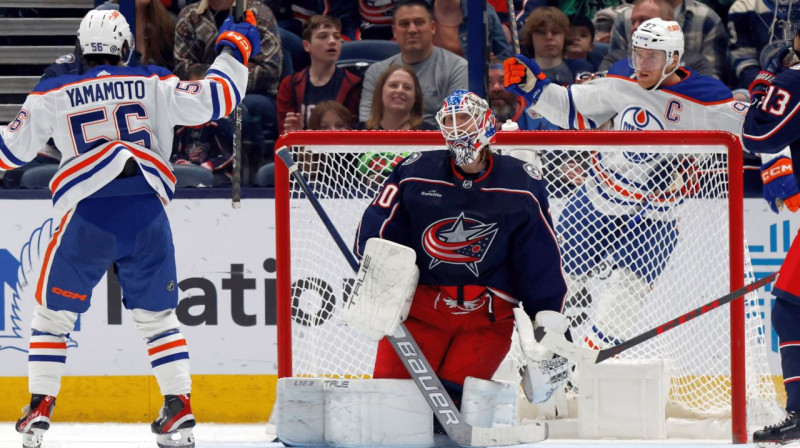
(458, 240)
(18, 277)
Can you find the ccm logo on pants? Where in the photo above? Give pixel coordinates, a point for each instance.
(68, 294)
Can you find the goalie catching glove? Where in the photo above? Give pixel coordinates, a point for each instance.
(384, 288)
(523, 77)
(544, 372)
(242, 38)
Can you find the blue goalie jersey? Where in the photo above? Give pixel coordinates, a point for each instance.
(492, 230)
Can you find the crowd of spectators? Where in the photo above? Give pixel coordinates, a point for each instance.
(299, 81)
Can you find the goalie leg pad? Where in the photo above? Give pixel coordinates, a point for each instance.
(384, 288)
(489, 404)
(352, 413)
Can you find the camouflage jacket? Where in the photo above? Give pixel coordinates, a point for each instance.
(196, 34)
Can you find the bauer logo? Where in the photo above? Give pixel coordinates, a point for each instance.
(460, 241)
(639, 119)
(18, 278)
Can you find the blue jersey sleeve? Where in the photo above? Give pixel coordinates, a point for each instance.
(772, 124)
(536, 260)
(384, 217)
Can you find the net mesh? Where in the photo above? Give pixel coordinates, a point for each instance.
(628, 268)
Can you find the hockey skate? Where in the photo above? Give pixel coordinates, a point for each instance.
(35, 420)
(173, 427)
(787, 431)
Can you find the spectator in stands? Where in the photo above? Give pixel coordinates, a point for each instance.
(603, 22)
(510, 106)
(397, 101)
(195, 36)
(543, 38)
(376, 19)
(703, 33)
(569, 7)
(321, 81)
(330, 116)
(439, 71)
(580, 41)
(345, 11)
(451, 28)
(759, 29)
(202, 156)
(155, 34)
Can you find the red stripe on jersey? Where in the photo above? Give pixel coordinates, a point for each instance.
(42, 345)
(166, 346)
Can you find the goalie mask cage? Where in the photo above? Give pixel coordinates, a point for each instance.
(690, 209)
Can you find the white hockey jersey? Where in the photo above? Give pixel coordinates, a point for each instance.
(625, 183)
(110, 114)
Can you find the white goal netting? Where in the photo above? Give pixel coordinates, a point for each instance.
(629, 267)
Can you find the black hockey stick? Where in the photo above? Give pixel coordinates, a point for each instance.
(236, 182)
(417, 365)
(560, 345)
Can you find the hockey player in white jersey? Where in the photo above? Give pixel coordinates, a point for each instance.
(114, 128)
(622, 221)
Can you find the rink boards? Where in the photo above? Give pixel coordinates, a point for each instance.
(226, 280)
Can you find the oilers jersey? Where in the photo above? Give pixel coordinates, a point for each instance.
(493, 230)
(624, 182)
(110, 114)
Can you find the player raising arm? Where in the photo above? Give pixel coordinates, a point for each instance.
(480, 226)
(114, 128)
(772, 124)
(627, 205)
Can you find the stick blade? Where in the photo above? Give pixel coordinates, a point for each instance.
(511, 435)
(562, 347)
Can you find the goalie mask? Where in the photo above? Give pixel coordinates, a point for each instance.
(664, 36)
(106, 32)
(468, 125)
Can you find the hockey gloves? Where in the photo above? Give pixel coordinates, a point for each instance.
(242, 38)
(780, 185)
(523, 77)
(777, 63)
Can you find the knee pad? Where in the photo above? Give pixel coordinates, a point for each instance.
(58, 323)
(489, 404)
(152, 323)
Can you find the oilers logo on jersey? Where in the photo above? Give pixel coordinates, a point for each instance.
(458, 240)
(637, 118)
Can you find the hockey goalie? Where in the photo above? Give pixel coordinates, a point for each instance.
(455, 264)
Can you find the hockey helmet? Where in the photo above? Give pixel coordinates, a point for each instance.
(657, 34)
(106, 32)
(468, 125)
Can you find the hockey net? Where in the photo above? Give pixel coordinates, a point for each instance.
(698, 255)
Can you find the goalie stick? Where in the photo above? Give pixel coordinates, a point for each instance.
(560, 345)
(440, 402)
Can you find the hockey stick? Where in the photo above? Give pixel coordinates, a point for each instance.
(512, 25)
(560, 345)
(236, 182)
(443, 407)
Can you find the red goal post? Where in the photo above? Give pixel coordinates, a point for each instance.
(334, 163)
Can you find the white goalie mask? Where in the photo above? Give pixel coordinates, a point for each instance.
(468, 125)
(106, 32)
(664, 36)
